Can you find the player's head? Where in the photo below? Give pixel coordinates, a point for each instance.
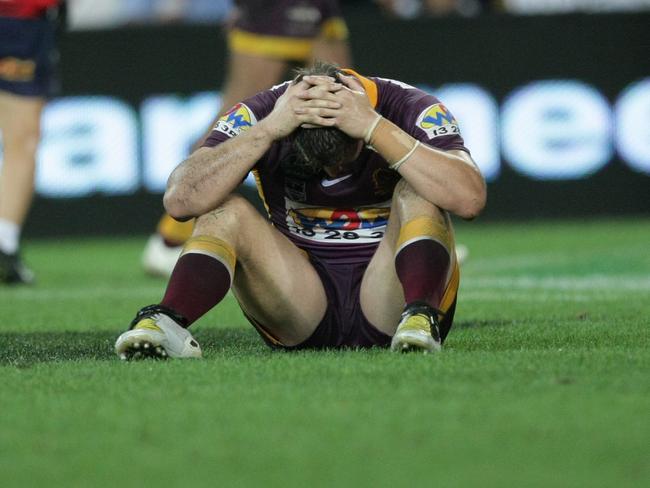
(318, 149)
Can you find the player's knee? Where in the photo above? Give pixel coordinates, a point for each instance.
(230, 217)
(409, 202)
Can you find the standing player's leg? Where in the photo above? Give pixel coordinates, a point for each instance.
(333, 51)
(247, 74)
(413, 273)
(20, 126)
(233, 245)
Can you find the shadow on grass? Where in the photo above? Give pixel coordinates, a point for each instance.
(23, 350)
(481, 324)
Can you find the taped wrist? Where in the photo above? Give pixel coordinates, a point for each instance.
(395, 145)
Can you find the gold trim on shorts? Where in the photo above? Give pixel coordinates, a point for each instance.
(293, 48)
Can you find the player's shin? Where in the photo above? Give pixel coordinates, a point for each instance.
(422, 260)
(422, 263)
(201, 278)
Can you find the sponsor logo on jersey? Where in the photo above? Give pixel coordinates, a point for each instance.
(337, 225)
(437, 121)
(237, 119)
(326, 182)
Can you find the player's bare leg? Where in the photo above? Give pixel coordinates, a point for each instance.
(384, 291)
(247, 75)
(233, 245)
(333, 51)
(20, 126)
(274, 281)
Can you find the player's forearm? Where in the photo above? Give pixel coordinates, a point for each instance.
(201, 182)
(449, 180)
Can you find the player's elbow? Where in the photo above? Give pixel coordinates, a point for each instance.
(473, 203)
(176, 205)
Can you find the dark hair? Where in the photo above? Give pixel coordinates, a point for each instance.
(312, 149)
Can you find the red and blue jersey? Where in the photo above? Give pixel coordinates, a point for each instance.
(25, 9)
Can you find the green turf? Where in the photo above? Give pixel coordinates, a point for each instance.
(544, 380)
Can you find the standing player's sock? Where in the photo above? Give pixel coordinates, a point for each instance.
(201, 278)
(9, 236)
(173, 232)
(422, 260)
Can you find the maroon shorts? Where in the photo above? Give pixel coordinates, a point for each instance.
(344, 324)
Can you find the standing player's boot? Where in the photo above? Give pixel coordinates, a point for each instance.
(13, 271)
(155, 333)
(417, 329)
(159, 259)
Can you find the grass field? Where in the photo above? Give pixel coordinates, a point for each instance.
(544, 381)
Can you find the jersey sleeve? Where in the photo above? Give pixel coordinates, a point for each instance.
(427, 119)
(243, 116)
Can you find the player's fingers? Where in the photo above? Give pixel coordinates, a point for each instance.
(318, 111)
(314, 119)
(318, 92)
(298, 88)
(346, 80)
(329, 86)
(318, 79)
(321, 103)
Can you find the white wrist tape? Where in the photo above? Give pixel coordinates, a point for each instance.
(395, 166)
(371, 129)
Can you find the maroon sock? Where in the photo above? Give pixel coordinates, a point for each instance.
(422, 268)
(197, 284)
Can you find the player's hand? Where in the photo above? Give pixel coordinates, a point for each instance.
(301, 104)
(356, 115)
(319, 101)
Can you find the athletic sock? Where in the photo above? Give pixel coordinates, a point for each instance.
(173, 232)
(422, 260)
(9, 236)
(201, 278)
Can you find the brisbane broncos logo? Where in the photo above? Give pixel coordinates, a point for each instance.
(236, 120)
(437, 120)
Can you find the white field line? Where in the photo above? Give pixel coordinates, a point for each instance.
(535, 261)
(504, 263)
(81, 293)
(515, 288)
(535, 296)
(595, 282)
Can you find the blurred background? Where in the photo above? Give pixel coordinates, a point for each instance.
(553, 98)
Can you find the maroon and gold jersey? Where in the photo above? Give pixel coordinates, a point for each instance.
(285, 29)
(343, 217)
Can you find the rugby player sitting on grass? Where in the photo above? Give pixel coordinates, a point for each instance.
(358, 176)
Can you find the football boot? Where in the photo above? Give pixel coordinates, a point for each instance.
(13, 271)
(417, 330)
(156, 332)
